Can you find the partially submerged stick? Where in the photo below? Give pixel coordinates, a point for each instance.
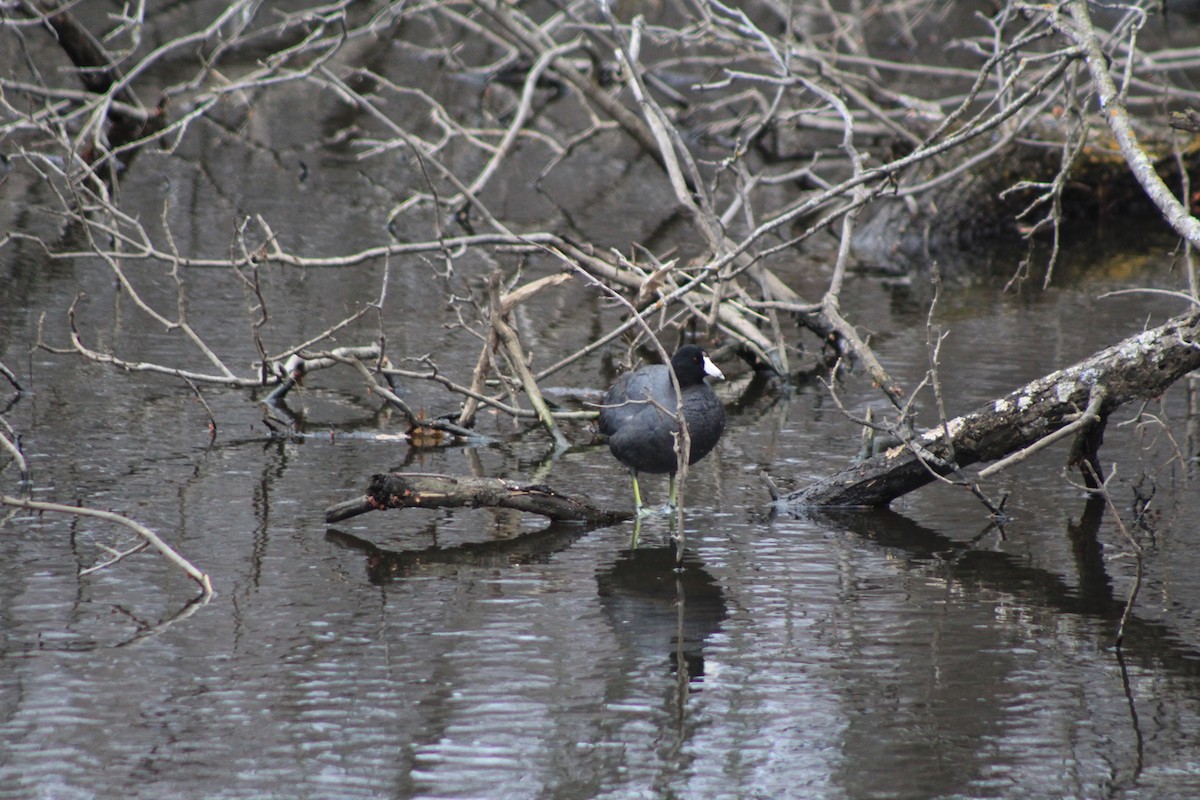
(141, 530)
(423, 490)
(1143, 365)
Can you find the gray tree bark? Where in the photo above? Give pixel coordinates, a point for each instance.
(1144, 365)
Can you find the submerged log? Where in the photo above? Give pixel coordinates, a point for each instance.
(413, 490)
(1141, 366)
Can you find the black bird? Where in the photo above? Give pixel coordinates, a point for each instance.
(639, 416)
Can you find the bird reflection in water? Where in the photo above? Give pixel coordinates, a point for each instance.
(658, 606)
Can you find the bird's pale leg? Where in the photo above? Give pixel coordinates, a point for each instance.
(638, 508)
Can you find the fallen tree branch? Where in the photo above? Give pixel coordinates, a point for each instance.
(417, 490)
(1143, 365)
(1090, 416)
(1083, 33)
(141, 530)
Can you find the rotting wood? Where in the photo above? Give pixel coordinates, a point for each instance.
(1143, 365)
(423, 490)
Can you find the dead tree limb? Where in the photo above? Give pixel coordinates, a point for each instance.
(129, 121)
(11, 377)
(149, 536)
(1083, 33)
(1144, 365)
(415, 490)
(507, 335)
(12, 446)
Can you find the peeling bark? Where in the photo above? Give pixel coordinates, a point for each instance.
(1144, 365)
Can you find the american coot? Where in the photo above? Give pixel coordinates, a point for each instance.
(639, 416)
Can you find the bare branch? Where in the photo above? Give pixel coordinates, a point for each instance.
(150, 536)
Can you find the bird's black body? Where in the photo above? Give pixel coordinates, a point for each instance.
(639, 414)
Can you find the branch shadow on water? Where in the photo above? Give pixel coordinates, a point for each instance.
(1150, 643)
(527, 548)
(659, 606)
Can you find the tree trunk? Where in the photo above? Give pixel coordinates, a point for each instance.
(1140, 366)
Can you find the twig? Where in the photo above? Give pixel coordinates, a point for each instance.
(1112, 104)
(1090, 416)
(15, 452)
(141, 530)
(512, 344)
(11, 376)
(383, 391)
(212, 420)
(117, 555)
(436, 377)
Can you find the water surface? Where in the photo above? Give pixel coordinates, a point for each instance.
(915, 652)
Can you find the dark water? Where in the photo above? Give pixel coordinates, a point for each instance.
(916, 652)
(908, 653)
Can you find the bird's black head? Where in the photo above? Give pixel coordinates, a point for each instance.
(691, 364)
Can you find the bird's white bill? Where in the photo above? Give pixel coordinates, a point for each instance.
(711, 369)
